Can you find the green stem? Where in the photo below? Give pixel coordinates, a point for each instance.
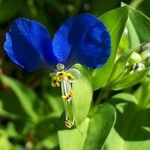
(102, 94)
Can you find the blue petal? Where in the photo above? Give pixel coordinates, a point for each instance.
(25, 43)
(82, 39)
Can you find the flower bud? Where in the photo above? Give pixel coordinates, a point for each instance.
(135, 58)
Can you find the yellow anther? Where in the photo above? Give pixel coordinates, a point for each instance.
(65, 75)
(68, 95)
(69, 123)
(70, 77)
(61, 75)
(55, 82)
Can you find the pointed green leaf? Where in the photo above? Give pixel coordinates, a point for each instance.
(116, 27)
(130, 79)
(138, 24)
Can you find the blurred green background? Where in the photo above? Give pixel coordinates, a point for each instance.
(30, 98)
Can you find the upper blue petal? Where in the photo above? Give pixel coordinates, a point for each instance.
(25, 43)
(82, 39)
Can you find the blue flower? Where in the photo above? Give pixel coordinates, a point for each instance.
(81, 39)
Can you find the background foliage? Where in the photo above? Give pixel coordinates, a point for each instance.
(31, 111)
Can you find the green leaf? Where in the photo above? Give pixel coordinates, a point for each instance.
(138, 24)
(142, 5)
(51, 142)
(132, 35)
(8, 103)
(91, 133)
(54, 101)
(130, 79)
(4, 142)
(132, 128)
(73, 139)
(142, 94)
(119, 66)
(82, 89)
(116, 27)
(26, 96)
(45, 128)
(100, 125)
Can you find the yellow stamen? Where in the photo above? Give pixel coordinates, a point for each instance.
(70, 77)
(61, 75)
(55, 82)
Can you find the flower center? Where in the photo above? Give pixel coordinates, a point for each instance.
(60, 76)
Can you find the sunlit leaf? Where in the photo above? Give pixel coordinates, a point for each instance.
(119, 66)
(115, 27)
(4, 142)
(82, 89)
(73, 139)
(91, 133)
(138, 28)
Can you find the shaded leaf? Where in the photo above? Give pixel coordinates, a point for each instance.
(132, 128)
(26, 96)
(95, 6)
(100, 125)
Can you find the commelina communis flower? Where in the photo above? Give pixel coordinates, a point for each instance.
(81, 39)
